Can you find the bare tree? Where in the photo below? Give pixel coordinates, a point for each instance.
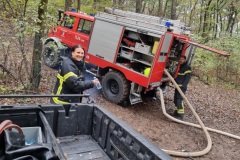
(191, 13)
(206, 19)
(37, 50)
(16, 11)
(174, 9)
(78, 5)
(138, 6)
(160, 8)
(68, 4)
(165, 8)
(231, 18)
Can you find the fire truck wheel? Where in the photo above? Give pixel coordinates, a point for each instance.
(115, 87)
(51, 54)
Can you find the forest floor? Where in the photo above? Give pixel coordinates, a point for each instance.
(217, 106)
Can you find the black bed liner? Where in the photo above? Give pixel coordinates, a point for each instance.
(84, 131)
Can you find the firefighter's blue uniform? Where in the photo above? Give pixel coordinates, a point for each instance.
(183, 78)
(69, 82)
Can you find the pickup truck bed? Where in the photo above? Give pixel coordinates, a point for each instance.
(82, 147)
(85, 132)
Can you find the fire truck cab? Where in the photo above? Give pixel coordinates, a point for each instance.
(130, 50)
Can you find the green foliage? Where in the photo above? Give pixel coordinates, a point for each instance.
(218, 67)
(89, 6)
(9, 89)
(5, 44)
(3, 89)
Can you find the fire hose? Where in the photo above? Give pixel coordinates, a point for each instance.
(205, 129)
(7, 124)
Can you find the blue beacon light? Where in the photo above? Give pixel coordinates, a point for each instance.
(73, 10)
(168, 24)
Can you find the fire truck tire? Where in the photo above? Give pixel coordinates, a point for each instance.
(51, 54)
(115, 87)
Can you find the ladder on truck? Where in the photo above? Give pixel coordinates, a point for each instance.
(152, 22)
(158, 29)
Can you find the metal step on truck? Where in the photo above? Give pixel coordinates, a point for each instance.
(70, 132)
(130, 50)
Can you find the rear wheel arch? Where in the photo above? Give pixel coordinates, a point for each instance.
(51, 52)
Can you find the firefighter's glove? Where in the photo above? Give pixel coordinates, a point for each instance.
(82, 78)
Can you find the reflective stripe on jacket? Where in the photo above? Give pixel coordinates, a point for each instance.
(68, 82)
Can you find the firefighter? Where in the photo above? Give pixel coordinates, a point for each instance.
(182, 79)
(70, 79)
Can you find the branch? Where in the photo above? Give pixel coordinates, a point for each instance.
(7, 71)
(20, 69)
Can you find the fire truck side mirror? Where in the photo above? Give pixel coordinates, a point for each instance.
(60, 14)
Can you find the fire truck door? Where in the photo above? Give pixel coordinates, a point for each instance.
(158, 67)
(190, 52)
(66, 29)
(83, 32)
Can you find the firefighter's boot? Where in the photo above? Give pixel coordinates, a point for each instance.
(175, 114)
(179, 116)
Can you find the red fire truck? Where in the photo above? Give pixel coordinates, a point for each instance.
(130, 50)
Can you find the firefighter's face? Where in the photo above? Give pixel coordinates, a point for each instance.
(182, 60)
(78, 54)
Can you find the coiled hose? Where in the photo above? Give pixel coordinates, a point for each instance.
(205, 129)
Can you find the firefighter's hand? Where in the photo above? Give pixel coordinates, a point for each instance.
(82, 78)
(95, 81)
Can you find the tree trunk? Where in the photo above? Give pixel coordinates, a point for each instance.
(221, 5)
(174, 9)
(165, 9)
(160, 8)
(121, 4)
(191, 13)
(231, 18)
(68, 5)
(114, 3)
(206, 19)
(221, 24)
(233, 21)
(201, 17)
(216, 19)
(138, 6)
(144, 6)
(78, 5)
(150, 9)
(37, 51)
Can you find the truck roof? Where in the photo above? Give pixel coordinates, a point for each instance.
(155, 23)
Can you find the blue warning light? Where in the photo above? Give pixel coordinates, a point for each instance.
(73, 10)
(168, 24)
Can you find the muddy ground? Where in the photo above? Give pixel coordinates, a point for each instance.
(217, 106)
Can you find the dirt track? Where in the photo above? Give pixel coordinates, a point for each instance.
(218, 107)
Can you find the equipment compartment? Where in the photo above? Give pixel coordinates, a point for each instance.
(142, 48)
(126, 54)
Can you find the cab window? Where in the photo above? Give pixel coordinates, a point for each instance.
(84, 26)
(68, 21)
